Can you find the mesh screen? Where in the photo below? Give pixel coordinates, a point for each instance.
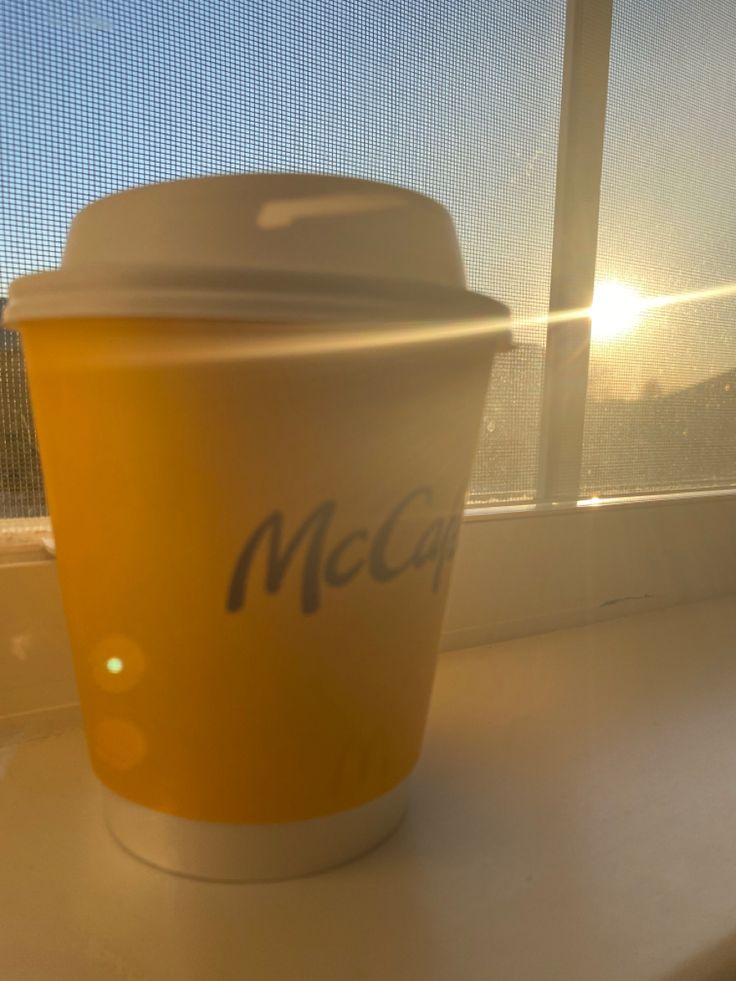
(460, 101)
(21, 486)
(661, 414)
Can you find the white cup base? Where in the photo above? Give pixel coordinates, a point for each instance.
(252, 852)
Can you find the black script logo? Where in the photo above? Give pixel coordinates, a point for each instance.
(336, 565)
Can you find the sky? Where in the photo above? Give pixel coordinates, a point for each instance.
(459, 99)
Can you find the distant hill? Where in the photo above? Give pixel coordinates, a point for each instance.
(684, 440)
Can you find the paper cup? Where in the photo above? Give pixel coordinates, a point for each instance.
(255, 523)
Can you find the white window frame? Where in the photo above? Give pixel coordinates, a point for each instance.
(519, 570)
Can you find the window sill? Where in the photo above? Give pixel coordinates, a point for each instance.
(574, 791)
(528, 570)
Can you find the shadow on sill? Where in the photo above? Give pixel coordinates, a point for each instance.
(718, 963)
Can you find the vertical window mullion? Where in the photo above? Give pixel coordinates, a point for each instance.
(574, 245)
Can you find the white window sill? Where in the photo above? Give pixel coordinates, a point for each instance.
(572, 817)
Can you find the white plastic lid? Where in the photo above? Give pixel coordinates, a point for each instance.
(274, 247)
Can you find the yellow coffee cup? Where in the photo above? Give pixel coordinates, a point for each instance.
(257, 399)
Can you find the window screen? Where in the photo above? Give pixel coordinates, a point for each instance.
(21, 487)
(661, 413)
(460, 101)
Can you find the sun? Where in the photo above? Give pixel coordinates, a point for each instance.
(615, 311)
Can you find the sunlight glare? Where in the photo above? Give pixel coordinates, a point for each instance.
(615, 311)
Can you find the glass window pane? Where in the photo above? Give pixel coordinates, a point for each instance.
(661, 412)
(460, 101)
